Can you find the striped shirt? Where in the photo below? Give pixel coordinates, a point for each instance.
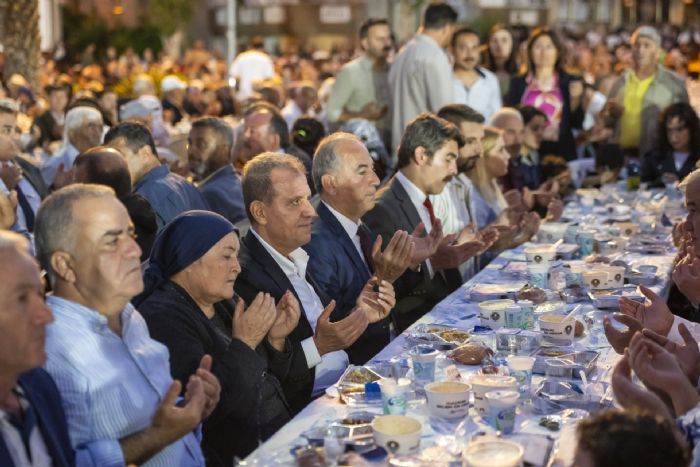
(110, 385)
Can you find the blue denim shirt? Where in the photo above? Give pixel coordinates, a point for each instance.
(223, 192)
(169, 194)
(110, 385)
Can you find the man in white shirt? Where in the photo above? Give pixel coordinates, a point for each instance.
(250, 66)
(474, 86)
(303, 97)
(276, 197)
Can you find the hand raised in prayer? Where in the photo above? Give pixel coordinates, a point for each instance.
(634, 396)
(8, 209)
(655, 316)
(619, 340)
(287, 318)
(63, 177)
(425, 246)
(171, 422)
(450, 255)
(211, 385)
(555, 209)
(688, 354)
(660, 370)
(11, 175)
(686, 276)
(396, 257)
(339, 335)
(251, 326)
(377, 305)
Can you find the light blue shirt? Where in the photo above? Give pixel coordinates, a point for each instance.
(169, 194)
(65, 157)
(110, 385)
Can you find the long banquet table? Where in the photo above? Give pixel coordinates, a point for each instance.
(457, 310)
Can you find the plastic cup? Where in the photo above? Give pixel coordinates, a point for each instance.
(539, 275)
(394, 395)
(521, 369)
(423, 357)
(502, 405)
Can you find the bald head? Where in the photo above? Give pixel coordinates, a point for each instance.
(104, 165)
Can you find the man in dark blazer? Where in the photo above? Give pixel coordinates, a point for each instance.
(427, 159)
(277, 203)
(17, 172)
(32, 422)
(344, 253)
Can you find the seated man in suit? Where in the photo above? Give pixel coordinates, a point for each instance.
(17, 173)
(33, 428)
(277, 203)
(344, 253)
(209, 151)
(427, 161)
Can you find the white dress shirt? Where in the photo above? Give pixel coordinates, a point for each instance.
(15, 445)
(484, 95)
(351, 228)
(417, 197)
(329, 367)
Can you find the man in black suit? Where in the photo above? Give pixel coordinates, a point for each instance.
(277, 203)
(18, 173)
(33, 429)
(427, 159)
(344, 252)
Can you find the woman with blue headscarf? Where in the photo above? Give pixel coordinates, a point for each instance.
(189, 305)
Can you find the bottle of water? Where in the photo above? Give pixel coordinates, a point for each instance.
(634, 174)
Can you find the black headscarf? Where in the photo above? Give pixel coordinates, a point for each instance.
(182, 241)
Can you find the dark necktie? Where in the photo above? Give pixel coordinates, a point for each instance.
(366, 245)
(429, 206)
(26, 208)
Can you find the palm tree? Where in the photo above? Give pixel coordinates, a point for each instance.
(19, 34)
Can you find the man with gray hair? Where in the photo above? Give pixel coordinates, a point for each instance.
(638, 96)
(33, 428)
(272, 261)
(120, 400)
(210, 150)
(83, 130)
(345, 253)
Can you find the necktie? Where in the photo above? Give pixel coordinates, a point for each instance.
(26, 208)
(366, 245)
(429, 206)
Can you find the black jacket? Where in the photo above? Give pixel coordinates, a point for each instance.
(260, 273)
(566, 145)
(416, 292)
(656, 163)
(252, 406)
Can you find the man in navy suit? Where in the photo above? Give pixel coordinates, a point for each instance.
(277, 203)
(427, 159)
(33, 428)
(344, 252)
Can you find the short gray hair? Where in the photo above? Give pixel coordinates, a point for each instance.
(325, 159)
(54, 227)
(256, 182)
(503, 113)
(219, 126)
(648, 32)
(76, 116)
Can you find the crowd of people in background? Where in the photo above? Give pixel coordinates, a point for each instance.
(231, 238)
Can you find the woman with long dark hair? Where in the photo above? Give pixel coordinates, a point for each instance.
(546, 86)
(499, 55)
(678, 148)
